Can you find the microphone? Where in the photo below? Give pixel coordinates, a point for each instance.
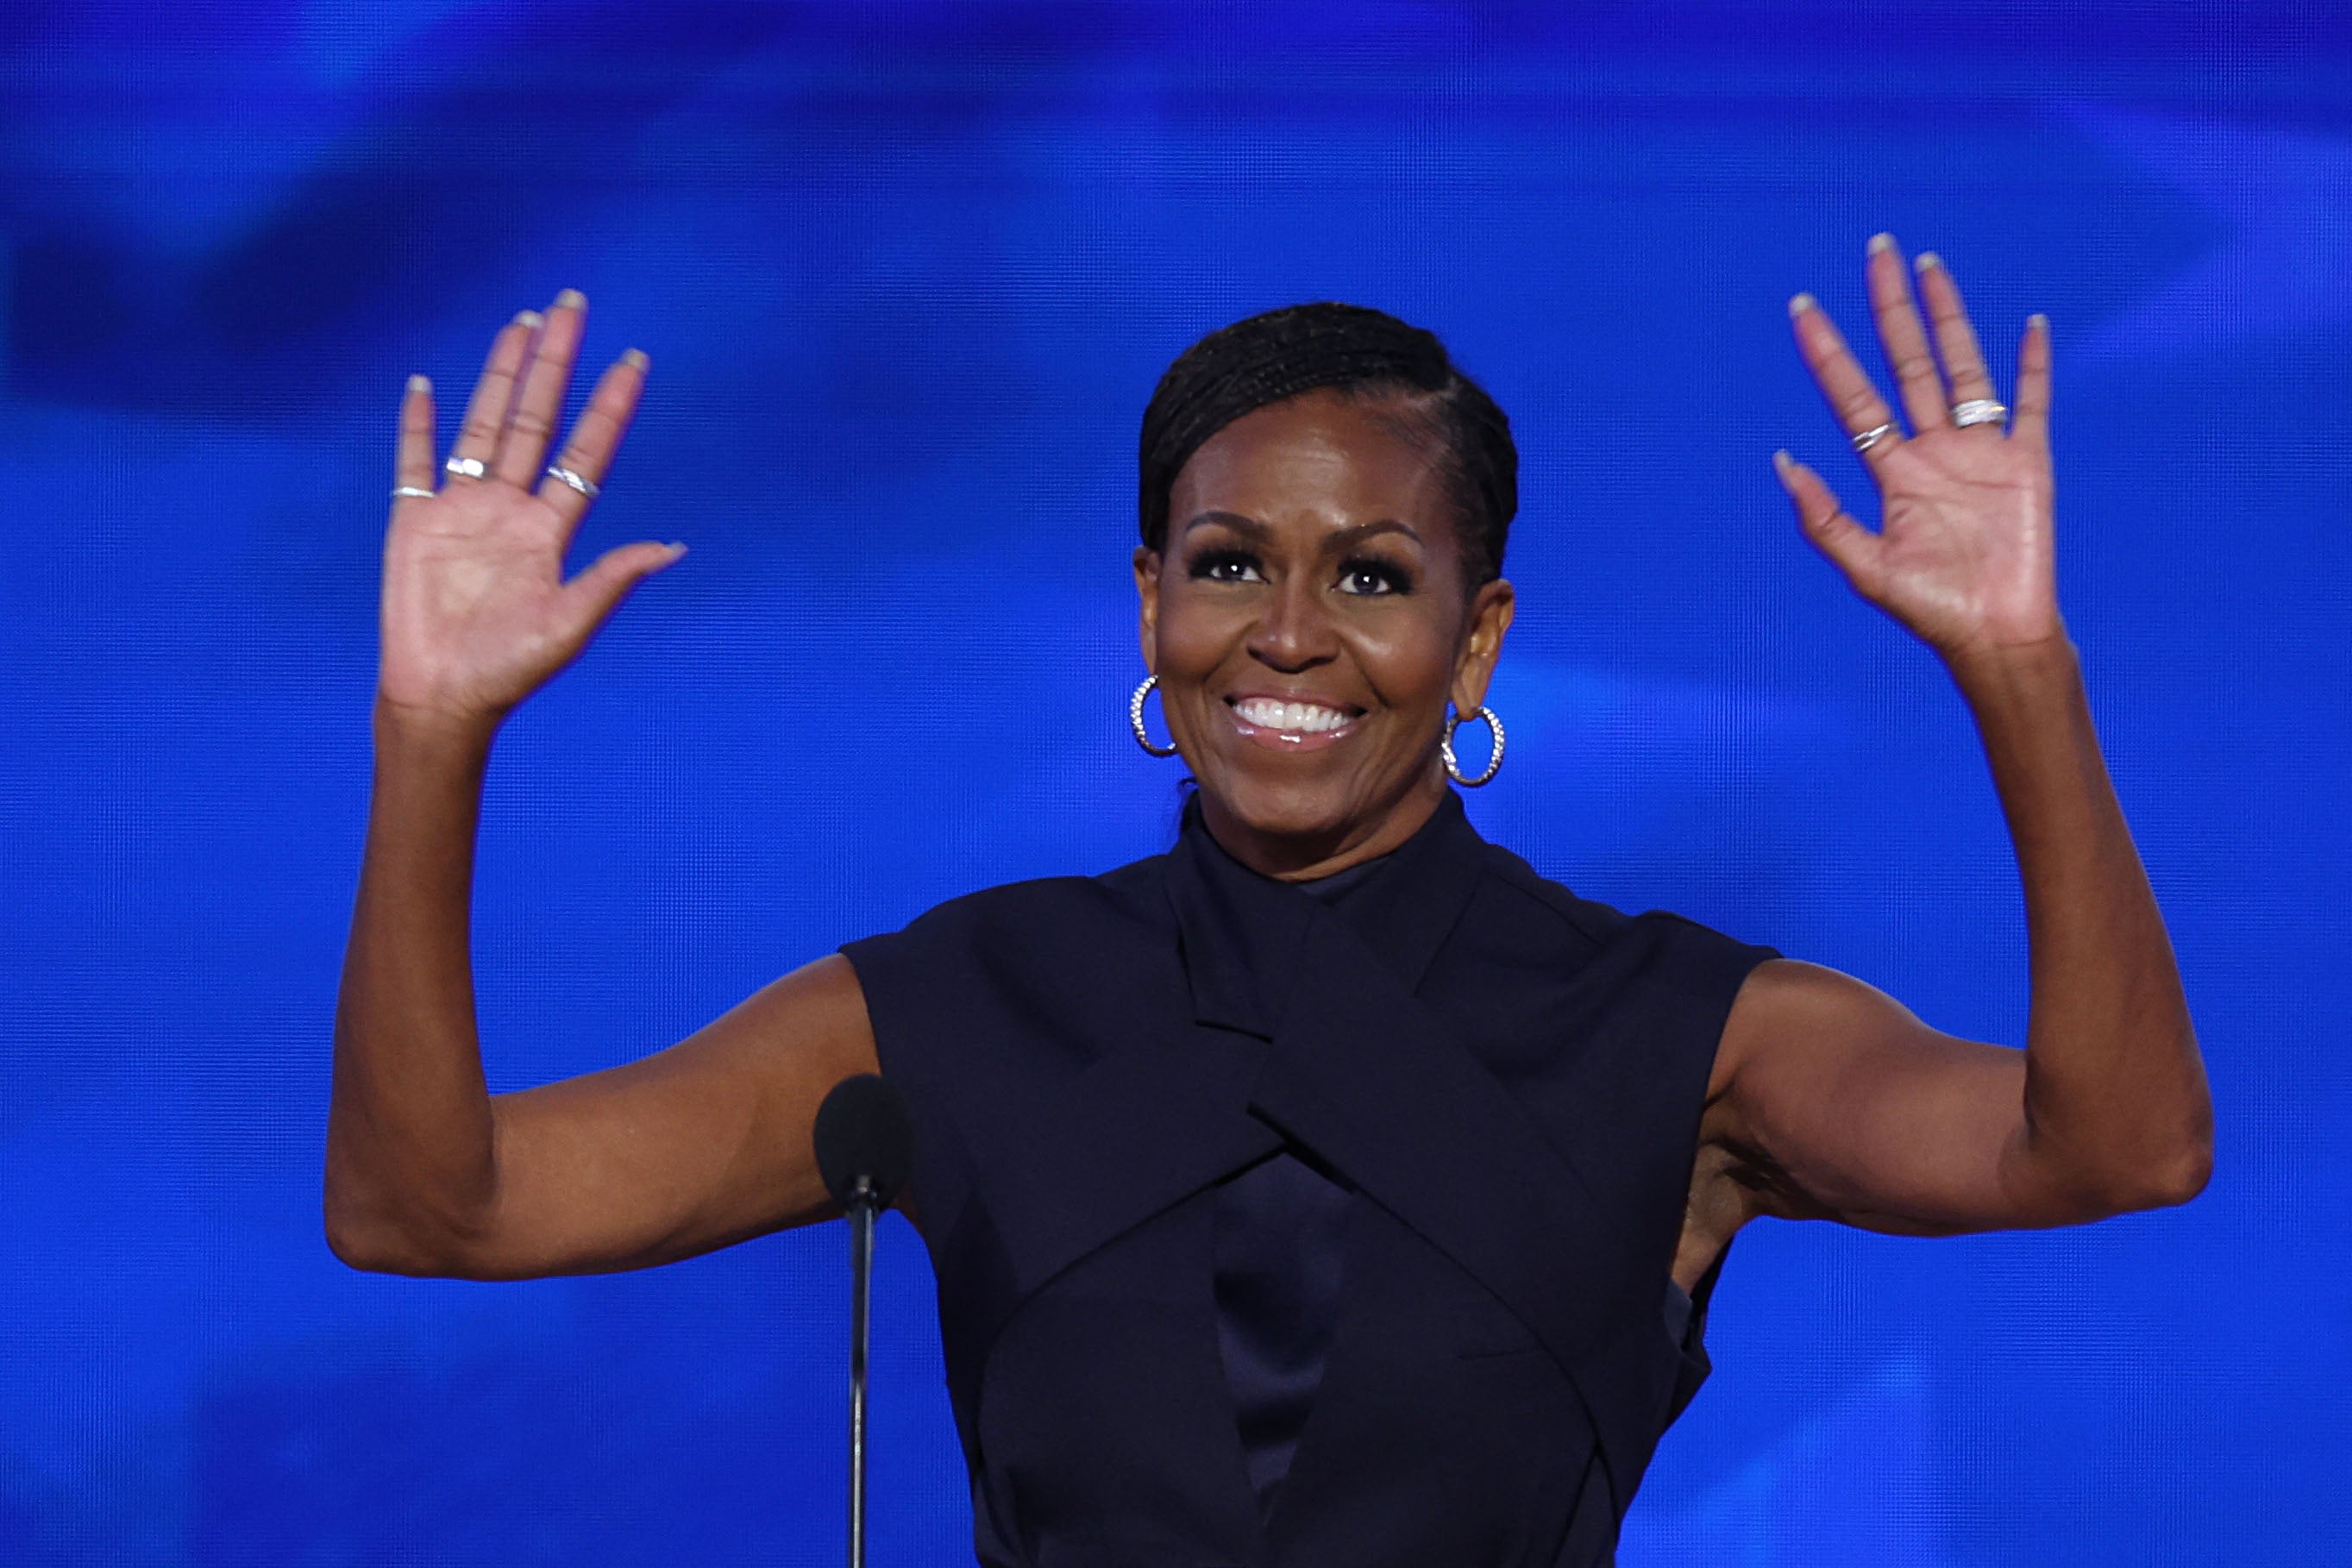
(864, 1149)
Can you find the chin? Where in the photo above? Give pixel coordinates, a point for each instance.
(1306, 810)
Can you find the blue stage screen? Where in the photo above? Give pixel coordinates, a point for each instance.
(907, 274)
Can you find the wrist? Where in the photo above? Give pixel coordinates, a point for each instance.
(421, 728)
(2019, 681)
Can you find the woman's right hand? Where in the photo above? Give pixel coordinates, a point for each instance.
(426, 1172)
(477, 613)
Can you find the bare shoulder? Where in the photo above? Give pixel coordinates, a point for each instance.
(1787, 1005)
(819, 1009)
(766, 1063)
(1831, 1099)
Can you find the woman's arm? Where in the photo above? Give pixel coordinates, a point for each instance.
(1830, 1098)
(425, 1172)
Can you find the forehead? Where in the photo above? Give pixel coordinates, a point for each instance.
(1317, 456)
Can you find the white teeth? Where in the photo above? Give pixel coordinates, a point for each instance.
(1297, 717)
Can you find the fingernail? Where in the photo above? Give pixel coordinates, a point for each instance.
(418, 383)
(530, 319)
(1926, 260)
(572, 299)
(1801, 303)
(635, 359)
(677, 549)
(1782, 463)
(2038, 322)
(1879, 242)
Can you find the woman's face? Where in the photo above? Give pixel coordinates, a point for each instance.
(1308, 622)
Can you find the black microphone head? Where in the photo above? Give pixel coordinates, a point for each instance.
(863, 1130)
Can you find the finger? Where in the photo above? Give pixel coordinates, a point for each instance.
(598, 591)
(1900, 333)
(530, 421)
(2030, 420)
(1852, 547)
(413, 468)
(1955, 336)
(485, 411)
(596, 434)
(1844, 383)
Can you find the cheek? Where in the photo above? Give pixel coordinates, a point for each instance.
(1409, 661)
(1191, 637)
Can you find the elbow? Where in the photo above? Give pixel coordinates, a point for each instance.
(2181, 1178)
(358, 1245)
(2186, 1165)
(2166, 1181)
(2138, 1157)
(364, 1241)
(379, 1239)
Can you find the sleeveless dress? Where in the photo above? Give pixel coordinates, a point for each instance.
(1313, 1227)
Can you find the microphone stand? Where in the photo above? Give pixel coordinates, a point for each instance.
(862, 1208)
(865, 1144)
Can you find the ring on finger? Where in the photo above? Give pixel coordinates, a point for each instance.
(412, 493)
(1979, 411)
(587, 487)
(1869, 438)
(465, 468)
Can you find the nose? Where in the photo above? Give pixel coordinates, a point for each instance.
(1296, 632)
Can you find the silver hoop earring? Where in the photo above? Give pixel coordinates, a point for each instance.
(1493, 758)
(1135, 718)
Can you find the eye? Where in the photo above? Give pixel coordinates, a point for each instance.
(1370, 577)
(1227, 566)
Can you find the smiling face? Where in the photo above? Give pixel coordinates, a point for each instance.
(1309, 622)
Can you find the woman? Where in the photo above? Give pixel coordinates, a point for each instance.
(1331, 1188)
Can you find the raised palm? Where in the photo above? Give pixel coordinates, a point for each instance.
(1963, 552)
(476, 611)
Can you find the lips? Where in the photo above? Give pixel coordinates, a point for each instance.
(1291, 724)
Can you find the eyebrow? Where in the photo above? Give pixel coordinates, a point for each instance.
(1346, 538)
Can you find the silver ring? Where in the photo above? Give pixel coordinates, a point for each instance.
(411, 490)
(1869, 438)
(465, 468)
(588, 488)
(1979, 411)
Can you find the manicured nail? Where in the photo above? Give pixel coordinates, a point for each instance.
(572, 299)
(635, 359)
(418, 383)
(1879, 242)
(1925, 259)
(1801, 303)
(530, 319)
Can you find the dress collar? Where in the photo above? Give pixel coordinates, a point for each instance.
(1241, 931)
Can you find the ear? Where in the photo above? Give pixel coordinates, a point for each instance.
(1147, 590)
(1482, 644)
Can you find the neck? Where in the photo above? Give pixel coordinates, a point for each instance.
(1303, 857)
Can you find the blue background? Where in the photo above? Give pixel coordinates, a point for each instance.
(907, 274)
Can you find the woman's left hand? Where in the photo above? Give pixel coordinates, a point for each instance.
(1963, 554)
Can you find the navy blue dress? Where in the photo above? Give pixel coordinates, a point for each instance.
(1461, 1101)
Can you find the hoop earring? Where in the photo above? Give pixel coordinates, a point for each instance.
(1135, 718)
(1493, 758)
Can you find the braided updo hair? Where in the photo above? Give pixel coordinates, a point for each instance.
(1362, 355)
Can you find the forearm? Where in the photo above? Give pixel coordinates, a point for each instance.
(410, 1167)
(2116, 1113)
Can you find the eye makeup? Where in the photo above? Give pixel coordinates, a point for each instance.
(1358, 576)
(1223, 563)
(1374, 576)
